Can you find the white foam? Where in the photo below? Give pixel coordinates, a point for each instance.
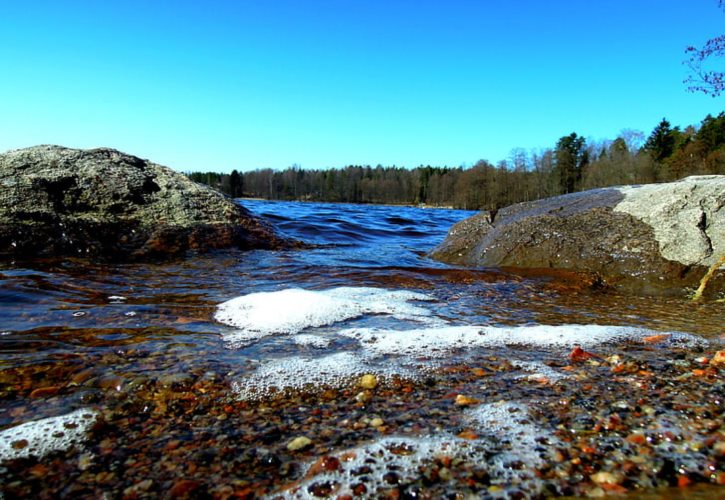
(417, 350)
(316, 341)
(437, 342)
(296, 373)
(292, 310)
(507, 438)
(538, 371)
(510, 424)
(41, 437)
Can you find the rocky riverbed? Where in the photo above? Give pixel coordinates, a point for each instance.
(638, 417)
(358, 368)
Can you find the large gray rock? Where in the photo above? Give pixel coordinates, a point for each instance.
(651, 238)
(104, 203)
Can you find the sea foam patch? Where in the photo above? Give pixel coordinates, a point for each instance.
(297, 373)
(511, 424)
(417, 350)
(315, 341)
(538, 371)
(392, 460)
(41, 437)
(438, 342)
(292, 310)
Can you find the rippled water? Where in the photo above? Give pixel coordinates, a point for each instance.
(73, 333)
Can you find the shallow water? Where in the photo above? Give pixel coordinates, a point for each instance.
(128, 338)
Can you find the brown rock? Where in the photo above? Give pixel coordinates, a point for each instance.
(648, 239)
(57, 201)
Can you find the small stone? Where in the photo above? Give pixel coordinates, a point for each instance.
(324, 464)
(42, 392)
(376, 422)
(468, 434)
(363, 397)
(445, 474)
(614, 359)
(368, 381)
(183, 487)
(299, 443)
(85, 461)
(718, 358)
(719, 448)
(605, 478)
(637, 438)
(462, 400)
(19, 444)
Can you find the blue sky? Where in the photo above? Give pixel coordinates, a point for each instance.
(217, 85)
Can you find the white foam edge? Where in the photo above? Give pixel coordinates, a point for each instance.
(46, 435)
(293, 310)
(536, 370)
(488, 451)
(437, 342)
(315, 341)
(296, 373)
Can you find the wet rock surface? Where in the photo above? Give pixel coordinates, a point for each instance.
(105, 203)
(654, 238)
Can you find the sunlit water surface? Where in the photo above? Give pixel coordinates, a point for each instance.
(108, 326)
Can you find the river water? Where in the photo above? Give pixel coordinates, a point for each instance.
(194, 377)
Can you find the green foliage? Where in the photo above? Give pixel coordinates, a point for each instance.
(573, 164)
(712, 132)
(571, 158)
(661, 142)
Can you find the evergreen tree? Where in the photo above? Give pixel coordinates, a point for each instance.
(236, 184)
(571, 157)
(661, 142)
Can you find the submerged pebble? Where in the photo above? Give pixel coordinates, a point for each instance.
(368, 381)
(299, 443)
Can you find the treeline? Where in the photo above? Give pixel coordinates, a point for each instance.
(573, 164)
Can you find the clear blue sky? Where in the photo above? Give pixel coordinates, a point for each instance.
(217, 85)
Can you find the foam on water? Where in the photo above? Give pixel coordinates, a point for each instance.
(511, 425)
(538, 371)
(437, 342)
(417, 351)
(296, 373)
(292, 310)
(41, 437)
(316, 341)
(405, 457)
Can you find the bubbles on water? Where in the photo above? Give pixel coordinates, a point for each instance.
(297, 373)
(440, 341)
(415, 351)
(41, 437)
(292, 310)
(316, 341)
(505, 452)
(538, 371)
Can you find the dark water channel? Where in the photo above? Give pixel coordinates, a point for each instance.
(182, 404)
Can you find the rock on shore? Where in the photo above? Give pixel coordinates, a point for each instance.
(105, 203)
(650, 238)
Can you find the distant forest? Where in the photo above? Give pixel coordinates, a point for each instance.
(573, 164)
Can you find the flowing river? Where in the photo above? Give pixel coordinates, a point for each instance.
(357, 368)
